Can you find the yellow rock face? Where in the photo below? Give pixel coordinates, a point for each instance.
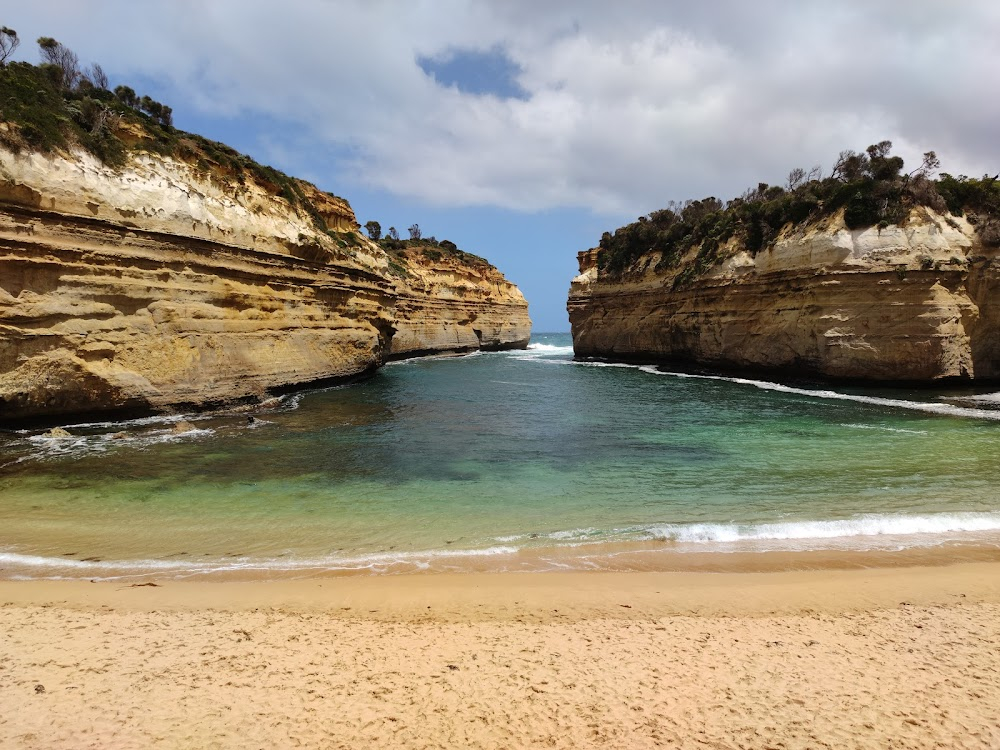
(157, 286)
(907, 303)
(449, 305)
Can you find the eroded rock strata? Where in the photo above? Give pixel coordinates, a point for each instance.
(449, 304)
(910, 302)
(161, 284)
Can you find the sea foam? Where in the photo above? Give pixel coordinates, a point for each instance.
(858, 526)
(41, 566)
(929, 407)
(550, 349)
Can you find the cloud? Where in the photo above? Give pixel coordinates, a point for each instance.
(617, 109)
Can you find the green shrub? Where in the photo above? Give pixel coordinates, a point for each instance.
(869, 187)
(45, 114)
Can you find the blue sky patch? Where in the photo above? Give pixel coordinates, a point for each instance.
(476, 72)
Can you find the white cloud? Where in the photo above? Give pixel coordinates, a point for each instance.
(629, 104)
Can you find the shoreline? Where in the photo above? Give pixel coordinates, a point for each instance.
(584, 595)
(616, 558)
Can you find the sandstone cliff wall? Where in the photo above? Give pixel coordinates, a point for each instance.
(160, 285)
(904, 303)
(451, 305)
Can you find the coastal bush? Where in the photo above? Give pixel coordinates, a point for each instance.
(56, 105)
(8, 43)
(429, 248)
(62, 59)
(32, 103)
(869, 187)
(127, 96)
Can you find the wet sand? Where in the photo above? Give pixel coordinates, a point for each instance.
(868, 658)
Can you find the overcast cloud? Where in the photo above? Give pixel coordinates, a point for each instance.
(624, 106)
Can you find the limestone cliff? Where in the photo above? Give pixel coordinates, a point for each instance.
(455, 303)
(164, 282)
(913, 301)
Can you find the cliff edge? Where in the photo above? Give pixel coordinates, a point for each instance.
(450, 301)
(878, 278)
(164, 271)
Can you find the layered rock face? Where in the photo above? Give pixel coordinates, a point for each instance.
(904, 303)
(450, 305)
(160, 285)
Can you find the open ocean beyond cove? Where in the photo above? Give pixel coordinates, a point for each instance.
(505, 461)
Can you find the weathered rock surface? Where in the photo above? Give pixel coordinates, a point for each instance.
(450, 305)
(160, 285)
(905, 303)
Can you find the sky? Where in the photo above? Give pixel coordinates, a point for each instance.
(521, 130)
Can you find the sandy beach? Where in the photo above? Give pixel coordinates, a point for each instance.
(892, 657)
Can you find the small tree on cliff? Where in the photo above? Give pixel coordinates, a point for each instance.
(8, 43)
(63, 58)
(127, 96)
(159, 112)
(393, 234)
(374, 230)
(97, 77)
(414, 232)
(928, 166)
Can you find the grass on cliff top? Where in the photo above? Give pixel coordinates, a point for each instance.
(40, 113)
(870, 187)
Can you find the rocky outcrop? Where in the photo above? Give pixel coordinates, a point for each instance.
(902, 303)
(449, 304)
(162, 284)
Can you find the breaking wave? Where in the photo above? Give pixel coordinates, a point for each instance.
(930, 407)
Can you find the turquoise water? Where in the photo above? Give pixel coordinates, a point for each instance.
(504, 461)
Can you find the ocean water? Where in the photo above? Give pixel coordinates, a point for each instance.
(505, 461)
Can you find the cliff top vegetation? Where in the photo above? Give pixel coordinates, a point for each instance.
(871, 188)
(402, 250)
(59, 105)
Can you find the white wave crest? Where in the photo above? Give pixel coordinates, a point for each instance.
(859, 526)
(983, 398)
(377, 562)
(883, 428)
(596, 363)
(137, 422)
(45, 446)
(929, 407)
(550, 349)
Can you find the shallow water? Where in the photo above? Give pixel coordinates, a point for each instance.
(505, 461)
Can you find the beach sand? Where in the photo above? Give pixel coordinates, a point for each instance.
(905, 657)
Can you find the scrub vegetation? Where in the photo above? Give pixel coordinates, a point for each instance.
(59, 105)
(870, 187)
(401, 251)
